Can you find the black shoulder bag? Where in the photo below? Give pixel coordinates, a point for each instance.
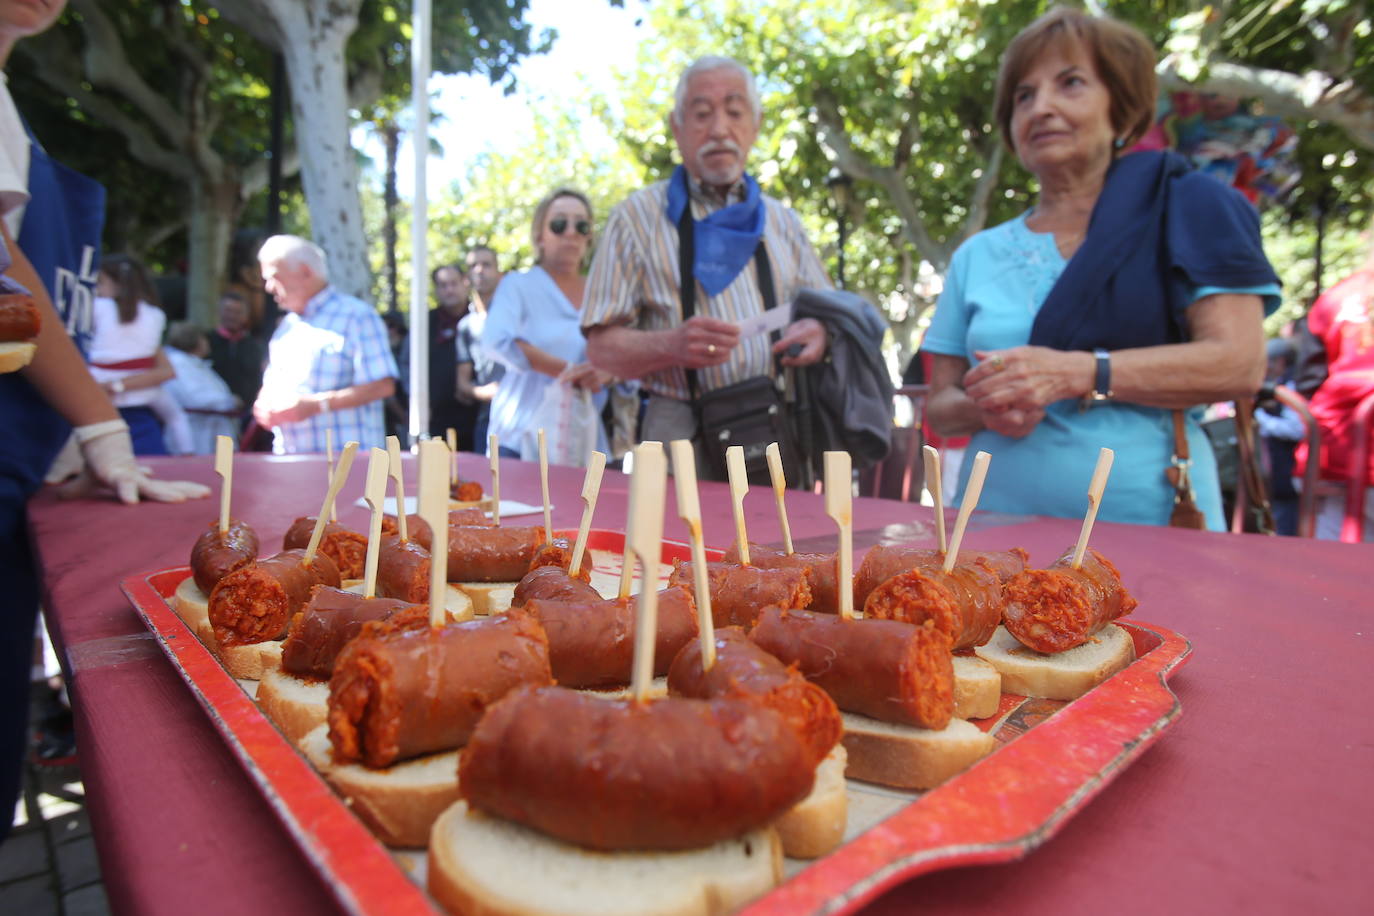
(751, 413)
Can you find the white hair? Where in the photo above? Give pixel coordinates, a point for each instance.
(292, 249)
(707, 65)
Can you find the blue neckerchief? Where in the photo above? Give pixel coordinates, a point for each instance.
(1158, 232)
(725, 240)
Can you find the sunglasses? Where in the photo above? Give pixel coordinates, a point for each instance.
(560, 225)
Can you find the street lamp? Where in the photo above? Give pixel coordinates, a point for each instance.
(840, 184)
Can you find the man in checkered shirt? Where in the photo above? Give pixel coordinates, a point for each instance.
(329, 365)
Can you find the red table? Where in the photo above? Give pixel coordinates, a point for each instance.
(1257, 800)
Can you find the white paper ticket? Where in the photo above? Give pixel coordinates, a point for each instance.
(774, 319)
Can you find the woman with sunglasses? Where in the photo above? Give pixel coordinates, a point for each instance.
(534, 326)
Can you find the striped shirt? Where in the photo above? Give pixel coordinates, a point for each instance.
(336, 342)
(634, 281)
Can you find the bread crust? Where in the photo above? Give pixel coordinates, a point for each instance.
(296, 706)
(706, 882)
(977, 688)
(487, 598)
(815, 826)
(1064, 675)
(15, 355)
(908, 757)
(191, 604)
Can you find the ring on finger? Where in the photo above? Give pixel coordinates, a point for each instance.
(711, 348)
(997, 363)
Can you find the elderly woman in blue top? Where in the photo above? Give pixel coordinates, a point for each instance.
(1132, 288)
(534, 325)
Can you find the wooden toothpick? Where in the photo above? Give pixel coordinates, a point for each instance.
(839, 505)
(591, 486)
(224, 467)
(689, 510)
(393, 453)
(544, 486)
(972, 491)
(451, 437)
(627, 566)
(739, 486)
(1099, 483)
(646, 510)
(775, 472)
(494, 456)
(936, 489)
(433, 497)
(329, 465)
(336, 482)
(374, 493)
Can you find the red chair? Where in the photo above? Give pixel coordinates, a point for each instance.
(901, 475)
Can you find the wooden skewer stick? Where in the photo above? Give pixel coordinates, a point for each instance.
(433, 493)
(739, 486)
(689, 510)
(779, 492)
(329, 464)
(336, 482)
(393, 453)
(591, 486)
(646, 512)
(972, 491)
(936, 488)
(544, 487)
(1099, 483)
(627, 566)
(839, 505)
(224, 467)
(374, 493)
(451, 437)
(493, 453)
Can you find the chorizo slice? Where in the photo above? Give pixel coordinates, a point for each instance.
(675, 773)
(552, 583)
(592, 644)
(965, 604)
(1050, 610)
(739, 593)
(347, 548)
(466, 491)
(331, 618)
(399, 694)
(485, 554)
(417, 529)
(558, 552)
(742, 669)
(822, 571)
(217, 553)
(256, 603)
(403, 570)
(883, 669)
(20, 319)
(884, 561)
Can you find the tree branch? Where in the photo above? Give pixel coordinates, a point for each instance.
(1289, 95)
(982, 191)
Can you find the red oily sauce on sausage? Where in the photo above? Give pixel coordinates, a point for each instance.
(255, 603)
(965, 603)
(592, 644)
(884, 669)
(739, 593)
(217, 553)
(402, 694)
(608, 774)
(1050, 610)
(742, 669)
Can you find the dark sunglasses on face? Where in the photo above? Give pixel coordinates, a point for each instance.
(560, 225)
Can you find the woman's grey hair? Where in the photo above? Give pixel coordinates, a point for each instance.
(185, 336)
(541, 211)
(707, 65)
(292, 249)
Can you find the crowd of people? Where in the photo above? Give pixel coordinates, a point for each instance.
(1131, 292)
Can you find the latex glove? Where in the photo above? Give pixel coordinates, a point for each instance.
(110, 462)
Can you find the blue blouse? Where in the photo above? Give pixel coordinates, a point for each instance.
(996, 283)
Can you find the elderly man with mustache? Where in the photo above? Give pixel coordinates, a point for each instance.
(745, 249)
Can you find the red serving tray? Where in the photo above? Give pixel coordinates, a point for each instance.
(1036, 782)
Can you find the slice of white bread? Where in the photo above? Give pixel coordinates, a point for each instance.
(488, 598)
(484, 865)
(15, 355)
(908, 757)
(294, 705)
(191, 604)
(977, 688)
(245, 662)
(456, 601)
(815, 825)
(400, 803)
(1064, 675)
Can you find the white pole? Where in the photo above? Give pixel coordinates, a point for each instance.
(419, 224)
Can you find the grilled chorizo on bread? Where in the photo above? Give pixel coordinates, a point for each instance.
(1050, 610)
(347, 548)
(739, 593)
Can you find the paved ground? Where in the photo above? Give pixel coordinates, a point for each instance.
(48, 865)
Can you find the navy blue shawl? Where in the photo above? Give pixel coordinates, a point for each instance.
(1158, 232)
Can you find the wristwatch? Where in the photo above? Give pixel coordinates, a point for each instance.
(117, 386)
(1102, 380)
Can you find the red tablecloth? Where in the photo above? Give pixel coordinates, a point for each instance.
(1257, 800)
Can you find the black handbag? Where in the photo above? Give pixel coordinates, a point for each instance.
(752, 413)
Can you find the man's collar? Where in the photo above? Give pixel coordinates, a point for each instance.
(711, 197)
(231, 336)
(313, 304)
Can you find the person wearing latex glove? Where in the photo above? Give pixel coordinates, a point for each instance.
(103, 455)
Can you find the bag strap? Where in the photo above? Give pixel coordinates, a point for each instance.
(1252, 475)
(686, 254)
(1179, 465)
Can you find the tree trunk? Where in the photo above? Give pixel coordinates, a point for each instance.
(214, 214)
